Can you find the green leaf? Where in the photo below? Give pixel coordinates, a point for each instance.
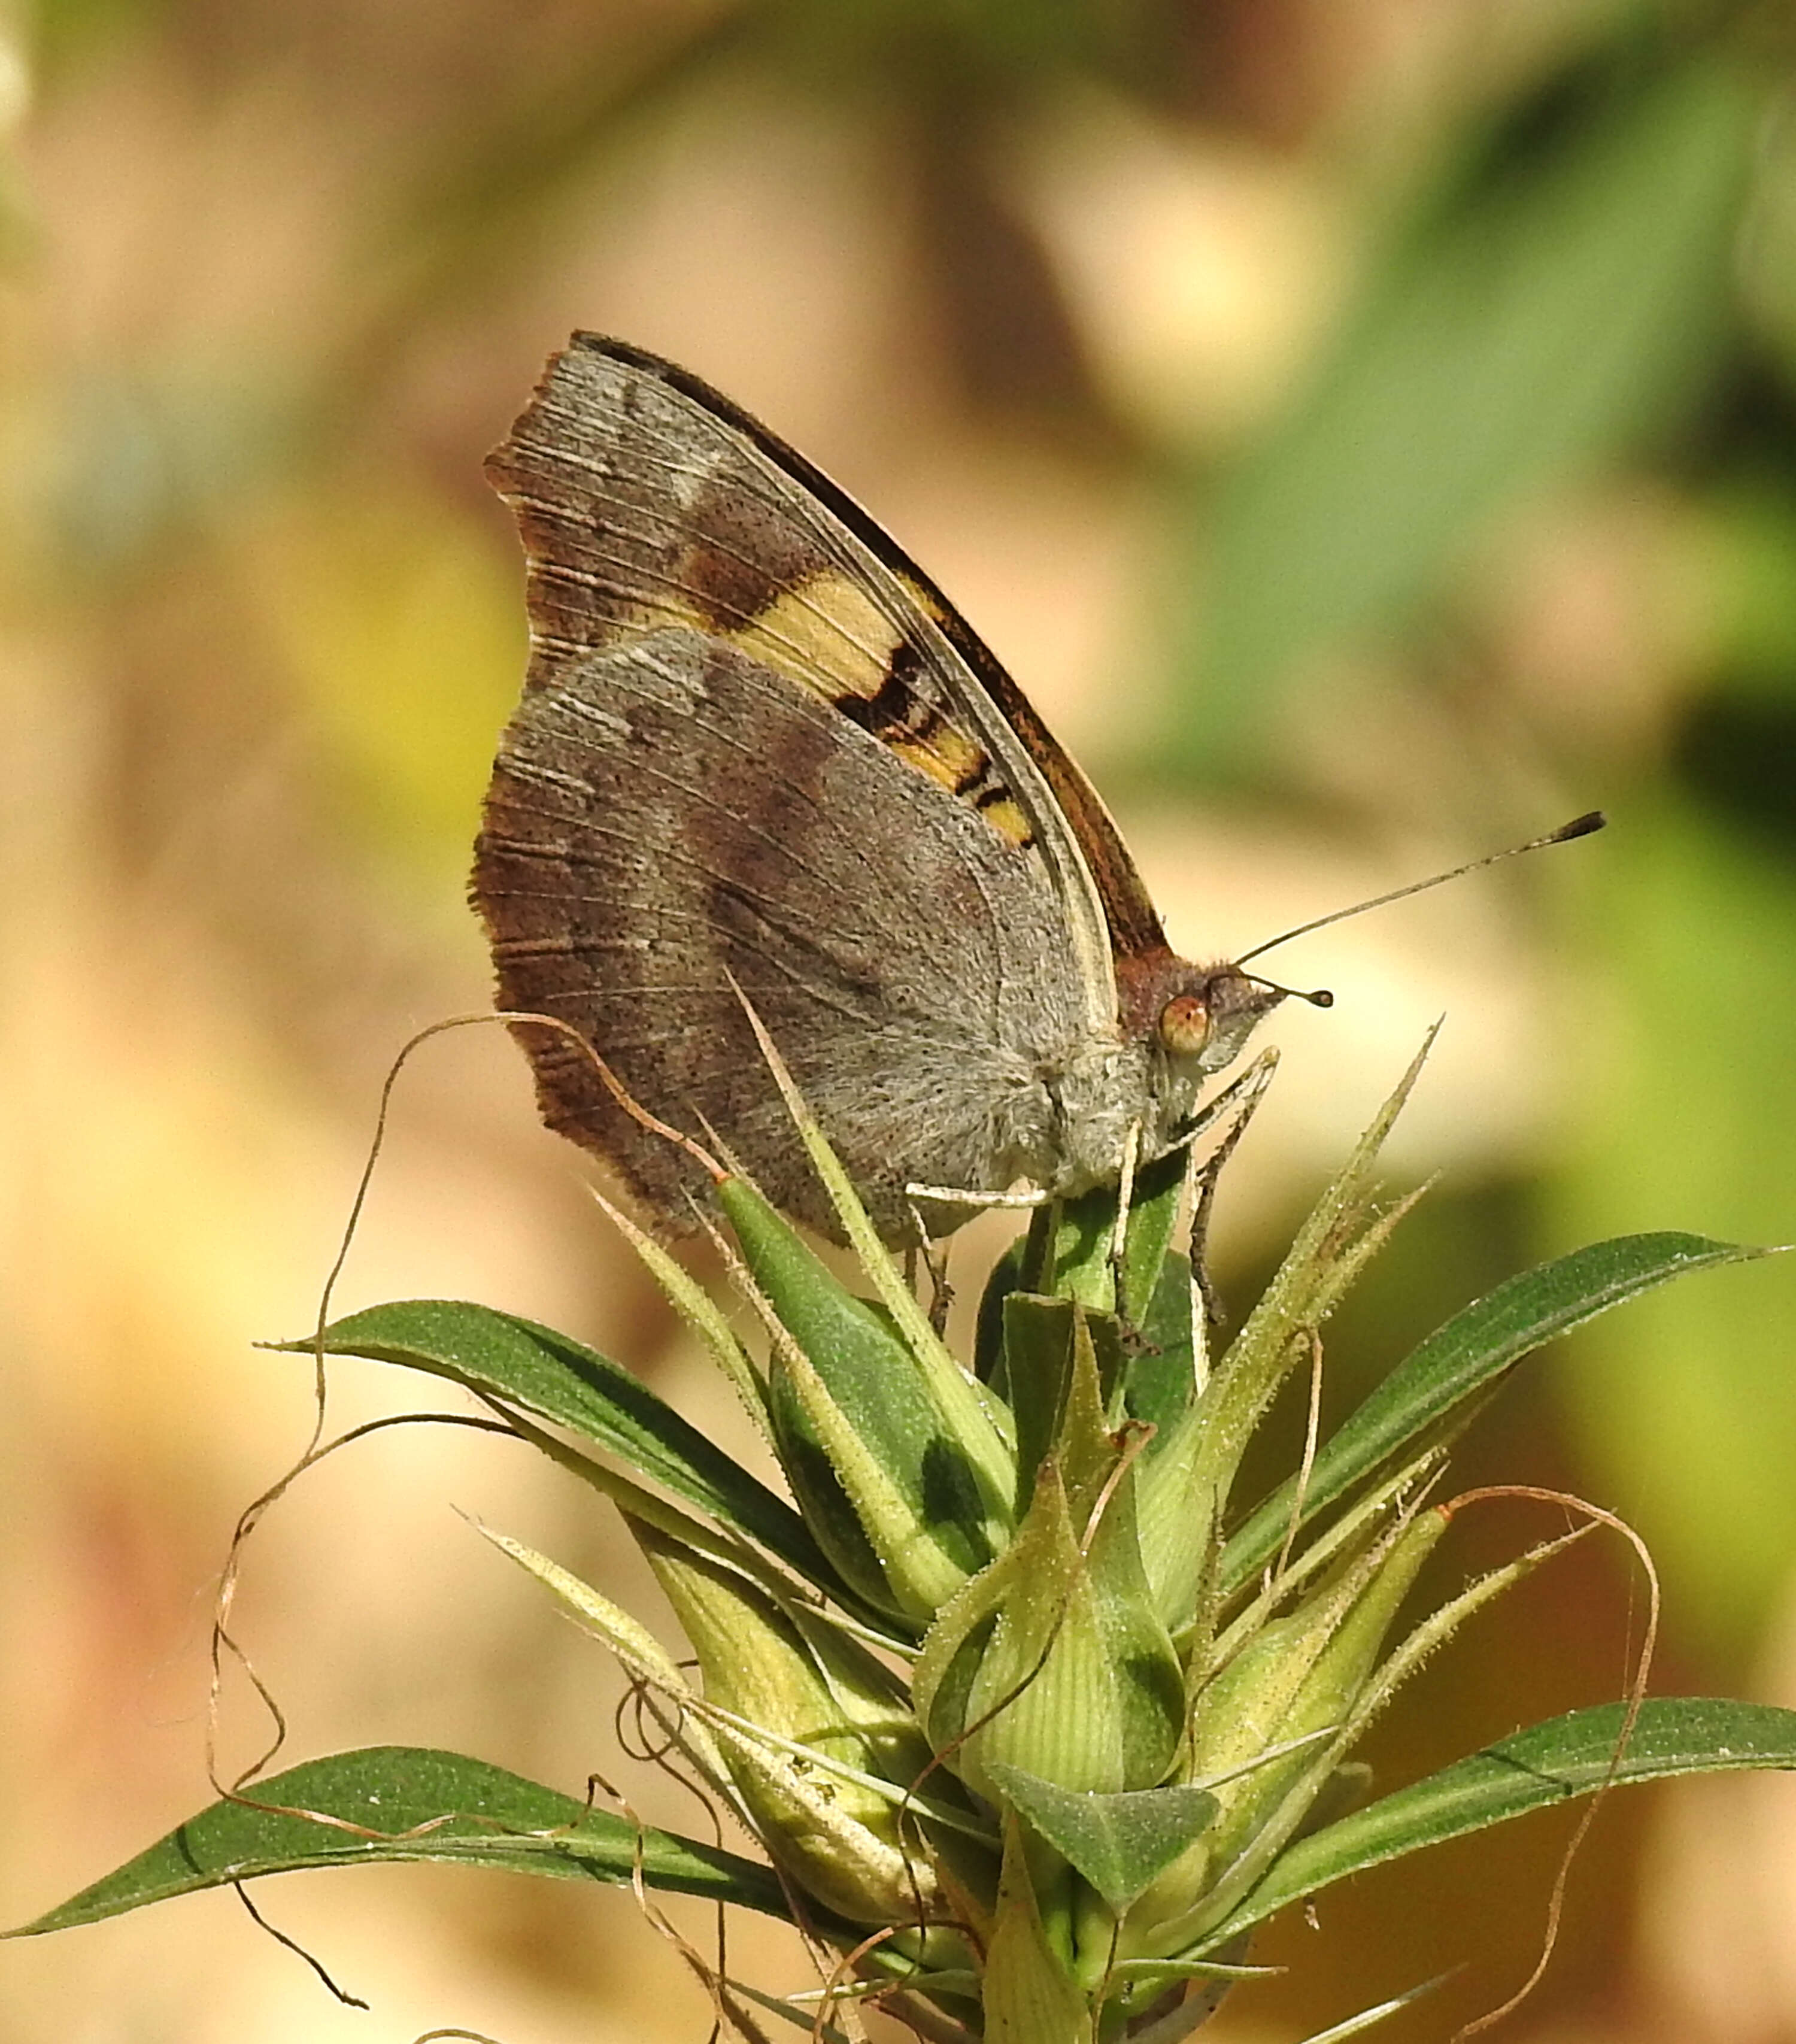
(1569, 1756)
(559, 1379)
(1042, 1337)
(426, 1805)
(636, 1649)
(1037, 1347)
(1028, 1995)
(1163, 1372)
(1303, 1677)
(1465, 1356)
(953, 1477)
(988, 1363)
(1053, 1659)
(1080, 1264)
(1120, 1843)
(1527, 323)
(702, 1316)
(800, 2017)
(798, 1283)
(863, 1483)
(1078, 1244)
(990, 1642)
(1185, 1487)
(1153, 1217)
(857, 1514)
(824, 1699)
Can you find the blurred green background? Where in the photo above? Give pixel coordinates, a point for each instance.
(1368, 428)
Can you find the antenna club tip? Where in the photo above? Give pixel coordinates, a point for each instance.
(1321, 997)
(1592, 819)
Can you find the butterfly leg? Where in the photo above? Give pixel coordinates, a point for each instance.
(1125, 1198)
(1246, 1092)
(935, 1263)
(960, 1195)
(1240, 1101)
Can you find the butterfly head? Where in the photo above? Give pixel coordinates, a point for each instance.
(1208, 1020)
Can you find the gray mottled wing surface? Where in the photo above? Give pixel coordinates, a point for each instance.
(748, 747)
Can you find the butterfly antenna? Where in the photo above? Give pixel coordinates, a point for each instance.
(1318, 997)
(1578, 827)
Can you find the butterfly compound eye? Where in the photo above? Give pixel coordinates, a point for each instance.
(1185, 1025)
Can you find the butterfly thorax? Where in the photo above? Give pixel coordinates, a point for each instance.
(1180, 1022)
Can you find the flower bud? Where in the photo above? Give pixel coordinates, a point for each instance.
(838, 1838)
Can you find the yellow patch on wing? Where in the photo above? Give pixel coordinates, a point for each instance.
(944, 754)
(827, 634)
(1008, 821)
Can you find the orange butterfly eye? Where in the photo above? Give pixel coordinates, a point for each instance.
(1185, 1025)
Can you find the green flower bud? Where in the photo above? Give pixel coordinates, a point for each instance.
(834, 1713)
(1045, 1662)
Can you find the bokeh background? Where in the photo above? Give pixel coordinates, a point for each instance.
(1368, 428)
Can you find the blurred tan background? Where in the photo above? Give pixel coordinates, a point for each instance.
(1367, 427)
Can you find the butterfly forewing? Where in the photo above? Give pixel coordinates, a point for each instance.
(646, 499)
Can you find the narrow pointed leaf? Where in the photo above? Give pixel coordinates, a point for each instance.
(839, 1837)
(1146, 1679)
(1342, 1230)
(1038, 1357)
(635, 1648)
(1185, 1487)
(701, 1313)
(1565, 1757)
(990, 1641)
(1081, 1265)
(1369, 2018)
(1162, 1378)
(561, 1379)
(477, 1816)
(1335, 1697)
(955, 1481)
(1465, 1356)
(1120, 1843)
(801, 2015)
(865, 1490)
(1029, 1997)
(1153, 1217)
(954, 1394)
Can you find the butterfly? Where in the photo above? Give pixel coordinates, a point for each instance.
(760, 758)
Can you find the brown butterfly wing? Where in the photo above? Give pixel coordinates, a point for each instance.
(753, 744)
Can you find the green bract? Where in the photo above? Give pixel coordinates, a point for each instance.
(1024, 1709)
